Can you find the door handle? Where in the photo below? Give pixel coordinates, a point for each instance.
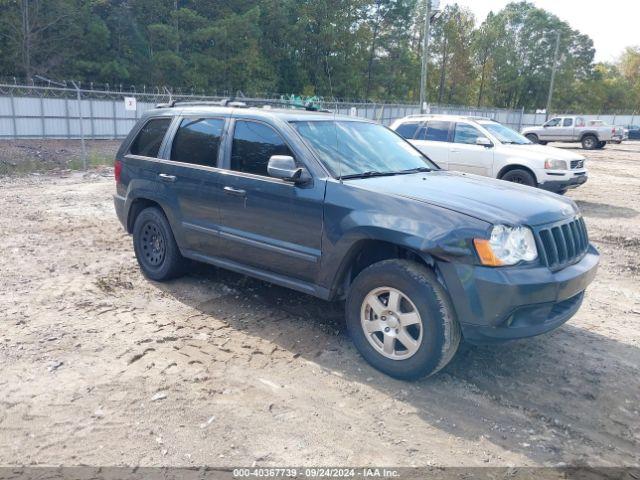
(167, 178)
(453, 150)
(236, 192)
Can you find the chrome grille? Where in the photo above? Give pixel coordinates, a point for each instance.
(577, 164)
(562, 244)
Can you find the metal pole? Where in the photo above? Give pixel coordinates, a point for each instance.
(553, 76)
(425, 52)
(84, 147)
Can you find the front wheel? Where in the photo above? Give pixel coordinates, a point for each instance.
(532, 137)
(520, 176)
(401, 320)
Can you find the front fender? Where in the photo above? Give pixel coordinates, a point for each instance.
(353, 216)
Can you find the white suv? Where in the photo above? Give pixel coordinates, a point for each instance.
(484, 147)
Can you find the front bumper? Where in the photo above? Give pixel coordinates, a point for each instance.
(499, 304)
(567, 181)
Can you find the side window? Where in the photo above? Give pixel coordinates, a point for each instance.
(253, 144)
(465, 133)
(408, 130)
(197, 141)
(437, 131)
(567, 122)
(554, 122)
(149, 139)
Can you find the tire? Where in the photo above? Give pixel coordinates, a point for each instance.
(542, 142)
(434, 330)
(589, 142)
(561, 192)
(601, 145)
(155, 246)
(518, 175)
(532, 137)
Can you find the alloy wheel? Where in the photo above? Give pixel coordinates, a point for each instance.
(391, 323)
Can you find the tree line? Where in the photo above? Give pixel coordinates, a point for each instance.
(349, 49)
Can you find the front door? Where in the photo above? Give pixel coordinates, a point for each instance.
(268, 223)
(465, 155)
(552, 130)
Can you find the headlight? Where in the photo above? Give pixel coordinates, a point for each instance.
(507, 246)
(550, 164)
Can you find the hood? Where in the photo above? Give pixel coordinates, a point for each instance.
(488, 199)
(541, 151)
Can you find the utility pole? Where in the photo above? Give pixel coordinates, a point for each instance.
(553, 76)
(425, 51)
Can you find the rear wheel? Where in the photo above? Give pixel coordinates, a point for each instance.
(589, 142)
(532, 137)
(520, 176)
(155, 247)
(401, 319)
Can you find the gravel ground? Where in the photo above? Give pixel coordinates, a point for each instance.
(103, 367)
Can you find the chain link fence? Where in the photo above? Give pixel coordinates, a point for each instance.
(32, 111)
(68, 111)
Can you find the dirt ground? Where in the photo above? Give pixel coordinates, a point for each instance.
(100, 366)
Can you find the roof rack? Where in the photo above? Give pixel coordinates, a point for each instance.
(225, 102)
(230, 102)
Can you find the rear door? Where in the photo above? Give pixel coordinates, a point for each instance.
(432, 138)
(192, 175)
(268, 223)
(465, 155)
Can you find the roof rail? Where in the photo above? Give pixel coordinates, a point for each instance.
(230, 102)
(225, 102)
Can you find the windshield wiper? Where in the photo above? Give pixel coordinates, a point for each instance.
(416, 170)
(370, 173)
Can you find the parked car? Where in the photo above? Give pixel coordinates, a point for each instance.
(484, 147)
(571, 129)
(345, 209)
(633, 132)
(618, 133)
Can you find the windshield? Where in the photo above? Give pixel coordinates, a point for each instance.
(351, 148)
(505, 134)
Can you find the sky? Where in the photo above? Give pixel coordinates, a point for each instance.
(612, 25)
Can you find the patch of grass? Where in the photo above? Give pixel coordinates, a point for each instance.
(94, 159)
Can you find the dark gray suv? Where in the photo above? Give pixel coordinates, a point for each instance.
(343, 208)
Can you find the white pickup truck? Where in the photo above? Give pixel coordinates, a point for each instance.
(590, 133)
(481, 146)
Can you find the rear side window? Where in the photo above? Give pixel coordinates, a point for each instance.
(567, 122)
(466, 134)
(435, 131)
(149, 139)
(197, 141)
(408, 130)
(253, 145)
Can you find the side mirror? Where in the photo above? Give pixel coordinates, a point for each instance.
(484, 141)
(285, 168)
(545, 125)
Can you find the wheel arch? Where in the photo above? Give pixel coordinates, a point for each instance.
(516, 166)
(591, 133)
(366, 252)
(137, 206)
